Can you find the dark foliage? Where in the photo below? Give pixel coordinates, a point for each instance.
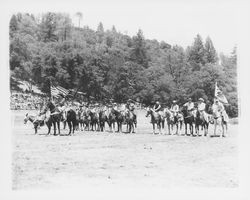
(108, 64)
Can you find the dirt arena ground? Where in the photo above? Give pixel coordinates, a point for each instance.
(98, 159)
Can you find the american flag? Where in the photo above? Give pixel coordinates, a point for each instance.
(219, 94)
(57, 91)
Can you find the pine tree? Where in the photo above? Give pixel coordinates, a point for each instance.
(13, 25)
(114, 29)
(79, 15)
(100, 32)
(196, 52)
(100, 28)
(210, 52)
(139, 52)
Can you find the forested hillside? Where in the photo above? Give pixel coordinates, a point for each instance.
(108, 64)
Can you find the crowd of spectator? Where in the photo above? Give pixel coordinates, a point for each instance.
(26, 101)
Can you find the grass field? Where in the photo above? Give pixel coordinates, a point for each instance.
(118, 159)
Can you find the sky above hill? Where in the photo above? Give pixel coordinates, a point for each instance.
(174, 22)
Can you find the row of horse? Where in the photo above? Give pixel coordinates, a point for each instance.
(85, 120)
(95, 120)
(194, 119)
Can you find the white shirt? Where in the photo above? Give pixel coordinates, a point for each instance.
(218, 107)
(175, 108)
(201, 106)
(190, 105)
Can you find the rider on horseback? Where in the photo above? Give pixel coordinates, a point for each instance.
(157, 106)
(130, 107)
(190, 106)
(175, 110)
(201, 107)
(115, 107)
(219, 107)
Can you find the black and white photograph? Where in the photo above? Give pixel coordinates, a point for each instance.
(124, 94)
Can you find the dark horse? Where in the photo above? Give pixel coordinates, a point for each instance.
(130, 119)
(71, 120)
(201, 121)
(94, 120)
(102, 119)
(188, 120)
(111, 120)
(55, 116)
(119, 119)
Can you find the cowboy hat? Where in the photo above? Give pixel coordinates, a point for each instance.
(201, 99)
(174, 101)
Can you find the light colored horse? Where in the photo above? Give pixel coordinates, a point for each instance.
(157, 119)
(173, 120)
(219, 121)
(37, 122)
(169, 118)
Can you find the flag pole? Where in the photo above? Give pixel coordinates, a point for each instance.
(215, 88)
(51, 96)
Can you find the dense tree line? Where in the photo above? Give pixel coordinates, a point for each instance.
(108, 64)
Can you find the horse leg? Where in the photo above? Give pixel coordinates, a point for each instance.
(113, 127)
(120, 126)
(69, 125)
(226, 126)
(100, 126)
(110, 126)
(177, 128)
(64, 124)
(54, 126)
(49, 127)
(74, 125)
(223, 131)
(132, 126)
(153, 128)
(169, 128)
(81, 126)
(159, 126)
(205, 129)
(163, 127)
(91, 124)
(198, 130)
(190, 129)
(186, 128)
(58, 126)
(35, 127)
(215, 127)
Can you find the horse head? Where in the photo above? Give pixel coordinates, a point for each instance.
(168, 114)
(149, 112)
(26, 118)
